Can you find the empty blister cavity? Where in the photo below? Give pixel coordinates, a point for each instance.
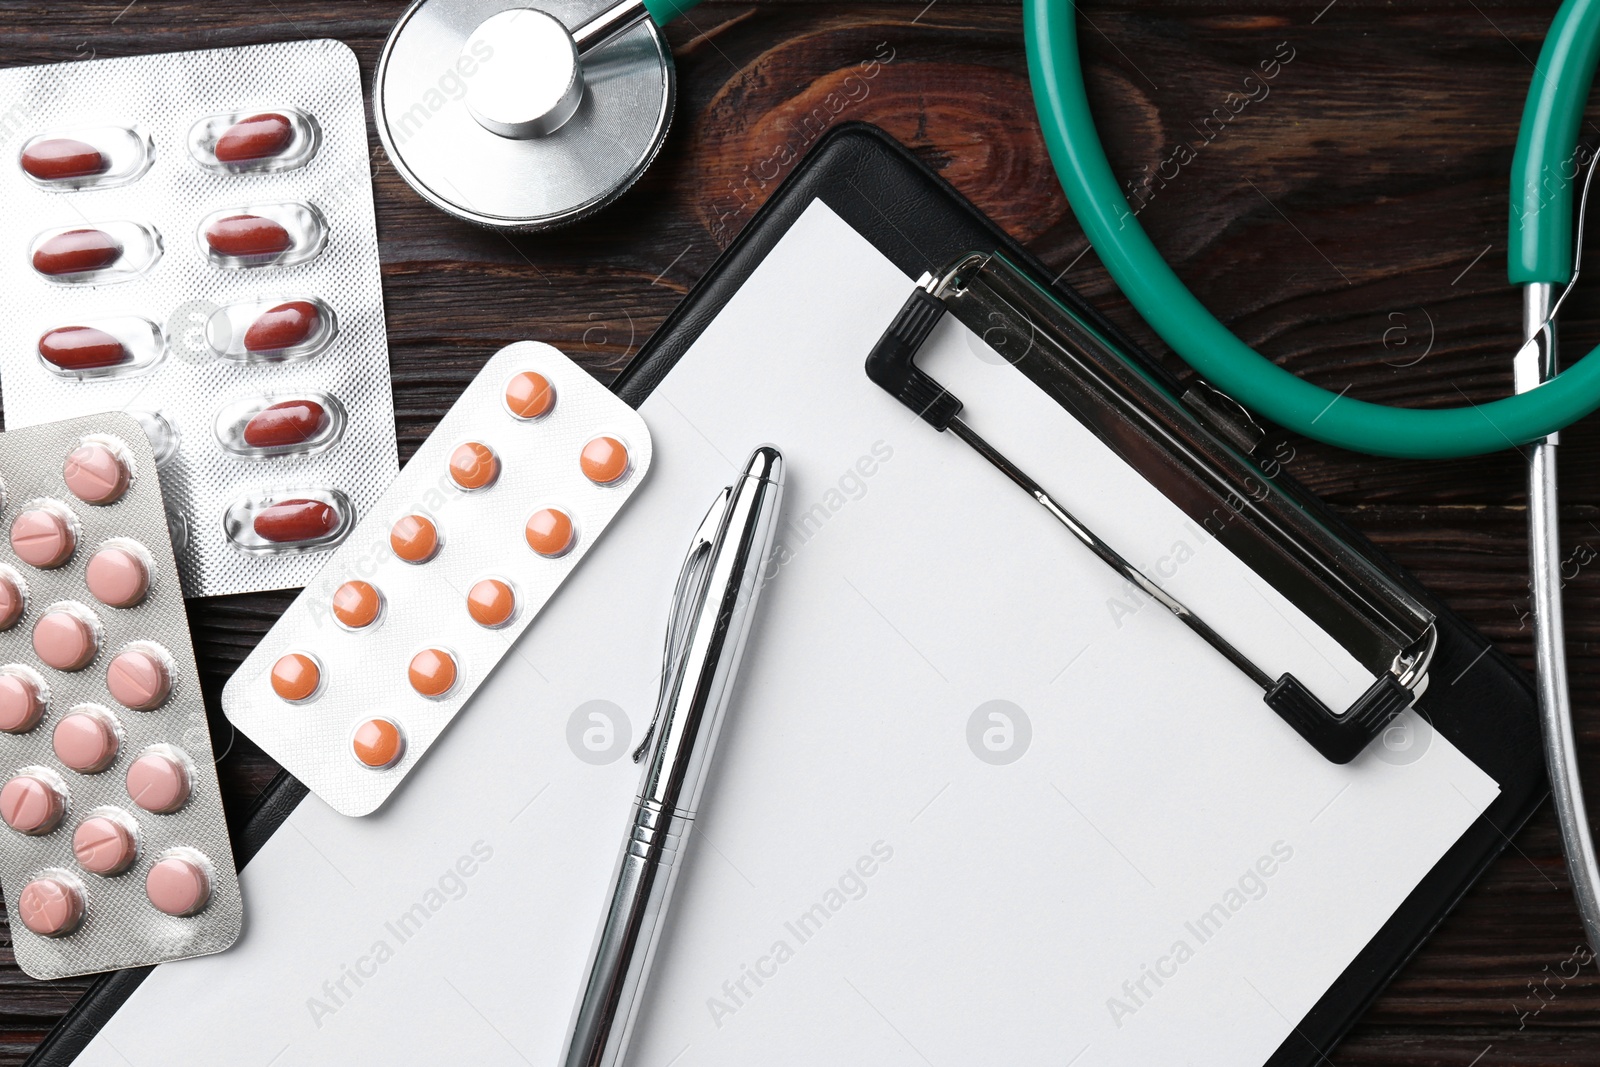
(298, 424)
(289, 520)
(163, 436)
(272, 329)
(98, 253)
(255, 140)
(86, 157)
(102, 348)
(262, 235)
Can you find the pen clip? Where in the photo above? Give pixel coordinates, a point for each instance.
(686, 599)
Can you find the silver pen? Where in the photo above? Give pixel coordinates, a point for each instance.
(711, 612)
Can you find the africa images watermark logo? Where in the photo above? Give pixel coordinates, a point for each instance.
(1207, 926)
(598, 732)
(851, 885)
(999, 732)
(451, 885)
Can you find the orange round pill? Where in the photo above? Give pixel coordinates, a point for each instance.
(474, 465)
(432, 672)
(491, 602)
(414, 539)
(529, 395)
(357, 604)
(296, 677)
(549, 532)
(378, 743)
(605, 461)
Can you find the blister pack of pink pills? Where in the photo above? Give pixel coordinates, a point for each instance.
(113, 848)
(190, 238)
(502, 502)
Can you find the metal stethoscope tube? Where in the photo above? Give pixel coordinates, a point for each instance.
(1535, 364)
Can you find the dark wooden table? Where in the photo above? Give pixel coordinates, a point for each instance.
(1349, 219)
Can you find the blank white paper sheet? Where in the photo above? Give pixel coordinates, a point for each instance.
(974, 802)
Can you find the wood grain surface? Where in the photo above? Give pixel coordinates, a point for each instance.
(1349, 219)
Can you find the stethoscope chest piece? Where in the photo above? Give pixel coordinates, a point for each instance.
(502, 116)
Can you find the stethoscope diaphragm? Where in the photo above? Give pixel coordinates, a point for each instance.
(490, 112)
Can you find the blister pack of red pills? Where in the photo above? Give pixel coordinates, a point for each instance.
(114, 852)
(413, 611)
(191, 240)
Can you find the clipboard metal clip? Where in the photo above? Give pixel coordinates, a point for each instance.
(1195, 453)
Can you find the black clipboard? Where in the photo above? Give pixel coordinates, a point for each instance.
(1479, 699)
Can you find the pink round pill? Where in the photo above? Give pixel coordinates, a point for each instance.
(65, 640)
(21, 703)
(178, 885)
(158, 782)
(12, 601)
(43, 537)
(104, 845)
(117, 577)
(96, 474)
(31, 805)
(86, 740)
(50, 907)
(139, 678)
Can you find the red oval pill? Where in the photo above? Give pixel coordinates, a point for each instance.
(257, 137)
(282, 327)
(81, 348)
(296, 520)
(245, 235)
(78, 252)
(63, 157)
(292, 422)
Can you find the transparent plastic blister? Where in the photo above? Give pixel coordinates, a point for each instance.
(428, 592)
(99, 253)
(86, 157)
(265, 426)
(272, 329)
(252, 236)
(255, 140)
(272, 522)
(106, 767)
(210, 237)
(116, 347)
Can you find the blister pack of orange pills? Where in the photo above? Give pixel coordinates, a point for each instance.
(432, 588)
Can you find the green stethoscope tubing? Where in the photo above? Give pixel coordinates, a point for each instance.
(1540, 251)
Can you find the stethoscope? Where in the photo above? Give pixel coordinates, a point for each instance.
(527, 119)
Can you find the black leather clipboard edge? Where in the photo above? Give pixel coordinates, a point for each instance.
(1478, 698)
